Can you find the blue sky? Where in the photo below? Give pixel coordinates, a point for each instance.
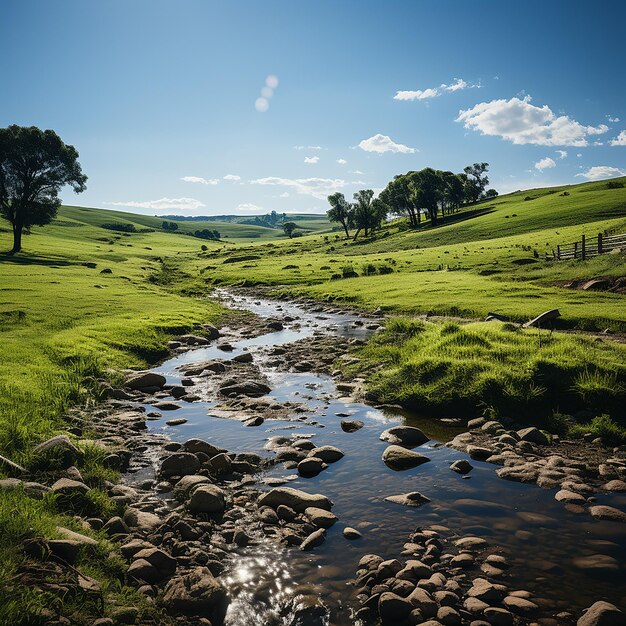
(153, 92)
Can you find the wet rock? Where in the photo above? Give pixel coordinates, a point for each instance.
(311, 466)
(176, 422)
(166, 406)
(320, 517)
(249, 388)
(196, 593)
(315, 539)
(602, 614)
(254, 421)
(597, 563)
(533, 435)
(498, 617)
(351, 533)
(399, 458)
(142, 380)
(328, 454)
(462, 466)
(220, 464)
(569, 497)
(520, 606)
(308, 610)
(351, 426)
(447, 616)
(245, 357)
(187, 484)
(470, 543)
(488, 592)
(286, 513)
(414, 570)
(614, 485)
(207, 499)
(414, 498)
(294, 499)
(198, 445)
(480, 453)
(608, 513)
(392, 608)
(422, 600)
(408, 436)
(180, 464)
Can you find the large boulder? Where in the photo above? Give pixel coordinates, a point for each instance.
(328, 454)
(320, 517)
(407, 436)
(196, 593)
(295, 499)
(399, 458)
(602, 614)
(198, 445)
(180, 464)
(142, 520)
(58, 451)
(207, 499)
(608, 513)
(250, 388)
(534, 435)
(141, 380)
(184, 487)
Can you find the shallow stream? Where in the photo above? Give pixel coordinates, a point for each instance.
(539, 536)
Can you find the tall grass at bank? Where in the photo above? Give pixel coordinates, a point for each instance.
(463, 370)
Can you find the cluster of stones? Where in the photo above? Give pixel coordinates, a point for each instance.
(302, 454)
(448, 581)
(530, 455)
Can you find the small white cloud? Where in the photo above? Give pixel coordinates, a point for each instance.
(341, 161)
(579, 154)
(620, 140)
(261, 105)
(382, 143)
(434, 92)
(599, 172)
(311, 160)
(200, 180)
(520, 122)
(613, 119)
(183, 204)
(232, 177)
(248, 206)
(271, 81)
(355, 172)
(319, 188)
(562, 153)
(284, 194)
(307, 148)
(545, 164)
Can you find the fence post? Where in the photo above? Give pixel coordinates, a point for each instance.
(600, 243)
(583, 250)
(558, 252)
(575, 249)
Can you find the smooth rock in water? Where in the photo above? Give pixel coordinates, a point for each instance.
(399, 458)
(498, 617)
(166, 406)
(295, 499)
(392, 608)
(311, 466)
(597, 562)
(533, 435)
(145, 379)
(315, 539)
(462, 466)
(308, 610)
(351, 533)
(220, 464)
(569, 497)
(188, 483)
(246, 388)
(520, 606)
(351, 426)
(328, 454)
(254, 421)
(614, 485)
(207, 499)
(602, 614)
(414, 498)
(196, 593)
(608, 513)
(180, 464)
(245, 357)
(404, 436)
(198, 445)
(479, 453)
(176, 422)
(320, 517)
(470, 543)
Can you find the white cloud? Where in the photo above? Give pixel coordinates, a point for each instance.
(232, 177)
(261, 104)
(620, 140)
(319, 188)
(612, 119)
(382, 143)
(248, 206)
(579, 154)
(200, 180)
(311, 160)
(355, 172)
(562, 153)
(308, 148)
(523, 123)
(599, 172)
(433, 92)
(341, 161)
(545, 164)
(284, 194)
(183, 204)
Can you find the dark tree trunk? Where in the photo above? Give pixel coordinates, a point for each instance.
(17, 238)
(358, 230)
(345, 227)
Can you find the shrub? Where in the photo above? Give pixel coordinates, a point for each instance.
(368, 269)
(614, 184)
(120, 227)
(347, 271)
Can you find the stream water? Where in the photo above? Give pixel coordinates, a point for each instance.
(539, 536)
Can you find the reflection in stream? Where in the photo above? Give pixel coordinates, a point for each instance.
(538, 535)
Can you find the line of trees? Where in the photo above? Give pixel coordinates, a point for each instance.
(169, 226)
(430, 194)
(205, 233)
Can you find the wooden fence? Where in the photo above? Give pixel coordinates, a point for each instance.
(589, 246)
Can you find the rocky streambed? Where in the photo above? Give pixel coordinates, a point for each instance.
(260, 489)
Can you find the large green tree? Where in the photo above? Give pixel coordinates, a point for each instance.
(367, 213)
(34, 166)
(339, 211)
(477, 180)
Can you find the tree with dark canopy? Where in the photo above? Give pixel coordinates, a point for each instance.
(289, 227)
(477, 180)
(34, 166)
(339, 211)
(367, 213)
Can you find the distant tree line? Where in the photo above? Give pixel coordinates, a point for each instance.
(207, 234)
(119, 227)
(270, 220)
(427, 194)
